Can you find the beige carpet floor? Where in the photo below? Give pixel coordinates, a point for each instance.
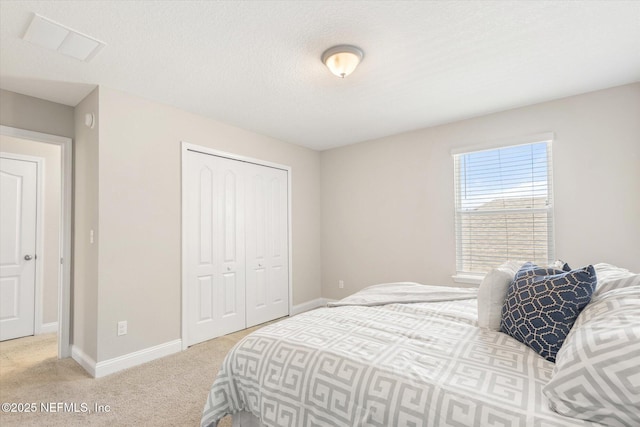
(166, 392)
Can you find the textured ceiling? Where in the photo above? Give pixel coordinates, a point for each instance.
(255, 64)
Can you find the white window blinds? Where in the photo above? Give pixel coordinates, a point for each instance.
(504, 206)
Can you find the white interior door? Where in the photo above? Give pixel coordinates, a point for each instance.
(267, 244)
(18, 192)
(215, 259)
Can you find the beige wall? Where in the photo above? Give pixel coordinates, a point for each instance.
(140, 209)
(388, 209)
(84, 300)
(34, 114)
(51, 217)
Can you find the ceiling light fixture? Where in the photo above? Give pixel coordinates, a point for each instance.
(343, 59)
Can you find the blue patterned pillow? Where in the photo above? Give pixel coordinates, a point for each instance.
(543, 303)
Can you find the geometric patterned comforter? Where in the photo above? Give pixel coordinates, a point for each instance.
(401, 364)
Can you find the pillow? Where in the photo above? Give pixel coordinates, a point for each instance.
(612, 277)
(492, 292)
(560, 265)
(596, 377)
(543, 303)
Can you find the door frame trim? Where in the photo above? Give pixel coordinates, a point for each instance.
(39, 261)
(66, 192)
(184, 147)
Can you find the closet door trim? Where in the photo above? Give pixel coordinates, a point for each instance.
(185, 147)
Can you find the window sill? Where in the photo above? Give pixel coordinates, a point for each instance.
(467, 278)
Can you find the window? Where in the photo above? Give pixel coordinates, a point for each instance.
(504, 207)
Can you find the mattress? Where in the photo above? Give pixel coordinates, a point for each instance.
(365, 362)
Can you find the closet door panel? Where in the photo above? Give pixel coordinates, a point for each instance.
(214, 227)
(231, 292)
(267, 244)
(200, 258)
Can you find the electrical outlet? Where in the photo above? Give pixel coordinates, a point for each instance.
(341, 284)
(122, 327)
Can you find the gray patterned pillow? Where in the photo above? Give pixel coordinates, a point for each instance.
(597, 372)
(612, 277)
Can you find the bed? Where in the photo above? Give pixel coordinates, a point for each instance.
(400, 354)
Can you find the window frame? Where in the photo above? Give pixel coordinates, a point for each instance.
(462, 276)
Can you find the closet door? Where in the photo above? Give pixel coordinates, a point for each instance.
(215, 258)
(267, 244)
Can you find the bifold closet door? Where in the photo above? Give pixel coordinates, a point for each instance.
(267, 244)
(215, 259)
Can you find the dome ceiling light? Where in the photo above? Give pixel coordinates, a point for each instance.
(343, 59)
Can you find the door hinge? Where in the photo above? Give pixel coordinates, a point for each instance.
(61, 260)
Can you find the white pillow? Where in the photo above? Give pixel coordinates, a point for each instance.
(611, 277)
(596, 375)
(492, 293)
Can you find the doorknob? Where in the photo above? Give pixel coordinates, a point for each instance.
(27, 257)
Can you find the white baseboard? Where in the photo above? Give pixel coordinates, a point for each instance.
(83, 360)
(130, 360)
(137, 358)
(309, 305)
(48, 328)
